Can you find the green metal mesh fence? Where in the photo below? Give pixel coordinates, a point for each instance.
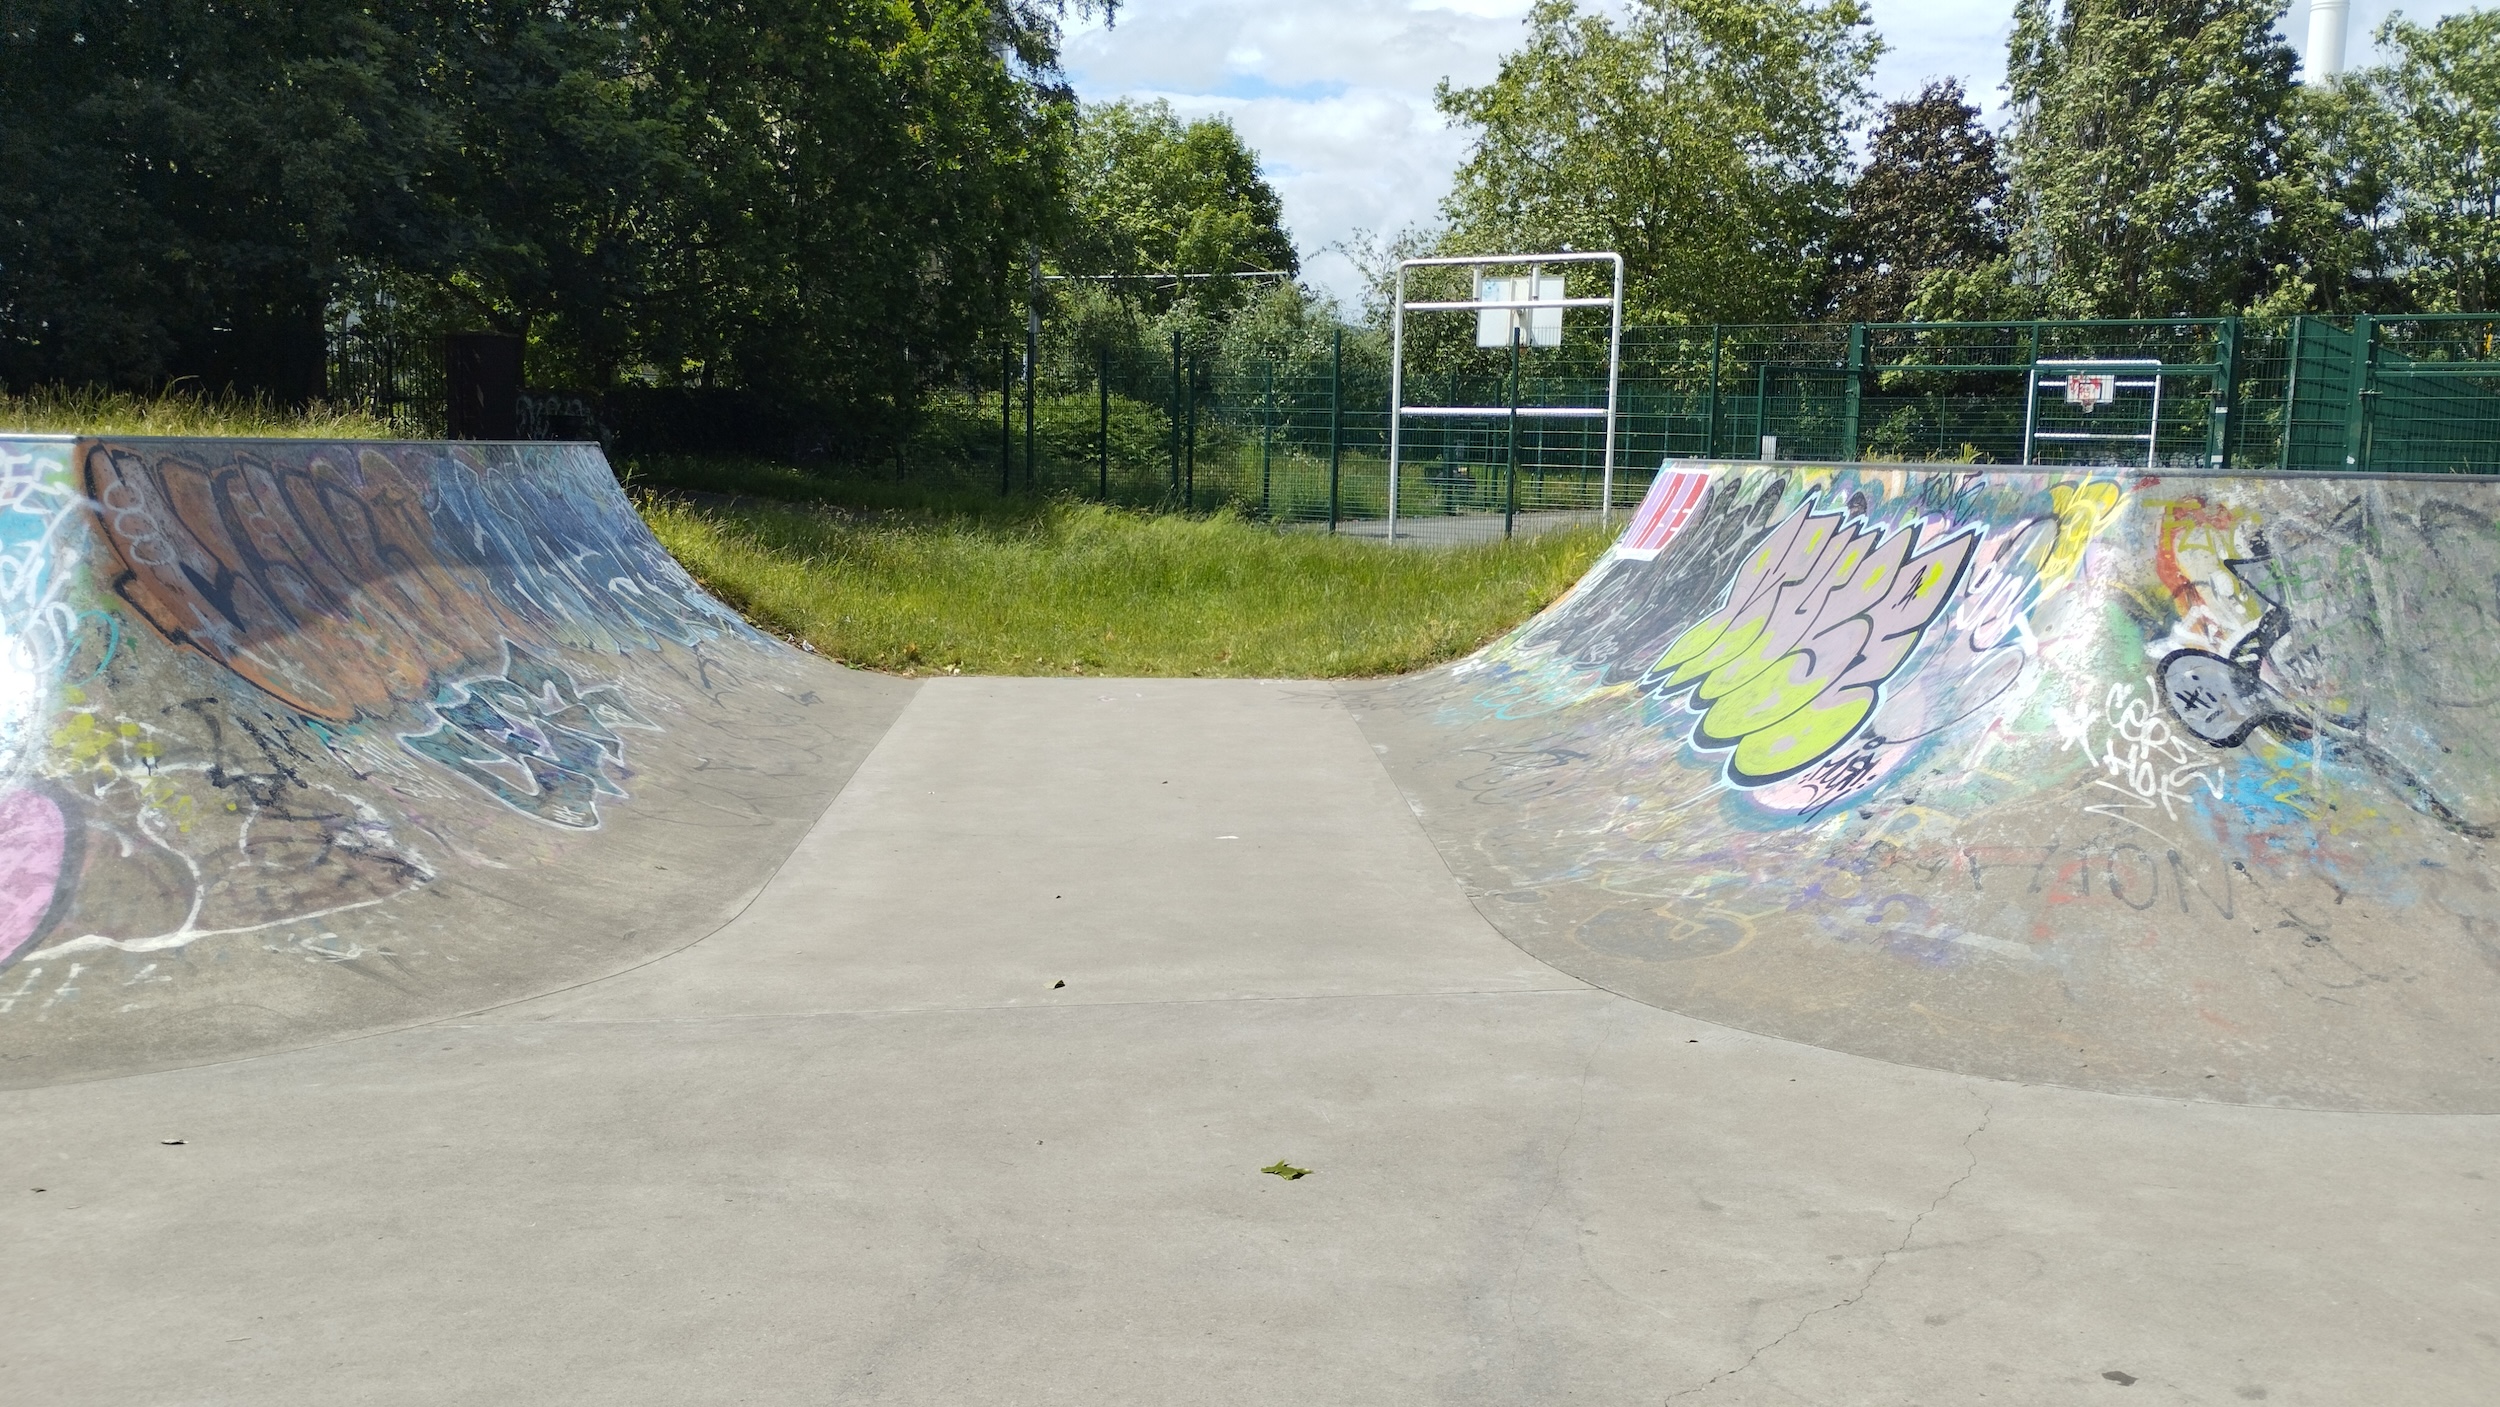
(1306, 439)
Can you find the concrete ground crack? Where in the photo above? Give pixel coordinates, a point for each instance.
(1562, 1160)
(1909, 1234)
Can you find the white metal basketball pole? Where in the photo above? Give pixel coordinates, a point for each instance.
(2149, 379)
(1614, 375)
(1397, 389)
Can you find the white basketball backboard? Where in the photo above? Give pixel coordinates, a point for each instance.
(2089, 391)
(1538, 327)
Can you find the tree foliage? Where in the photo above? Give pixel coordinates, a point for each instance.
(2389, 200)
(1705, 140)
(864, 175)
(2148, 135)
(2159, 162)
(834, 202)
(1164, 219)
(2333, 208)
(182, 182)
(1930, 199)
(2434, 112)
(818, 199)
(1151, 195)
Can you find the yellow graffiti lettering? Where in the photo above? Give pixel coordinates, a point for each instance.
(1820, 614)
(2082, 511)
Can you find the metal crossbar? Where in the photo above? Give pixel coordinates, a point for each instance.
(1504, 412)
(1468, 305)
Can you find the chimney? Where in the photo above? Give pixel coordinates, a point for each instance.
(2326, 39)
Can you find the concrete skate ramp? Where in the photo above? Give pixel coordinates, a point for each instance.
(300, 739)
(2166, 784)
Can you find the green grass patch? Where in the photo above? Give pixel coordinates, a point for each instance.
(57, 410)
(842, 486)
(1038, 586)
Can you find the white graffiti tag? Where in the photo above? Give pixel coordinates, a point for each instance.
(37, 625)
(2147, 762)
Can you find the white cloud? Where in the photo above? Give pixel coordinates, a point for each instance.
(1336, 95)
(1925, 40)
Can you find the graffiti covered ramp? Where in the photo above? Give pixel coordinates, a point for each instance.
(303, 738)
(2167, 785)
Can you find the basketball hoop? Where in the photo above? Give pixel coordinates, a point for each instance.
(2089, 384)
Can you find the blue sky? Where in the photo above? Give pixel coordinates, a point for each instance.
(1336, 95)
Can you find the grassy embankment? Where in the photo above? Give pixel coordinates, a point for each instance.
(917, 578)
(1077, 588)
(898, 577)
(59, 411)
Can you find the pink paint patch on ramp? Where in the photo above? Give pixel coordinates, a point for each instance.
(32, 842)
(1672, 498)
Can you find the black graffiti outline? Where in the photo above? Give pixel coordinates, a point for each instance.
(2196, 705)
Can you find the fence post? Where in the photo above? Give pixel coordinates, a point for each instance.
(2226, 392)
(482, 385)
(2031, 385)
(1102, 422)
(1176, 415)
(1336, 422)
(1267, 433)
(1032, 359)
(1852, 393)
(2357, 416)
(1536, 457)
(1510, 500)
(2291, 393)
(1006, 419)
(1710, 412)
(1189, 473)
(1761, 404)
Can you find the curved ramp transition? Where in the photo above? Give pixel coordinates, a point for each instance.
(303, 738)
(2177, 785)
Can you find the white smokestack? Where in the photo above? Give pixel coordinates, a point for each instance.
(2326, 39)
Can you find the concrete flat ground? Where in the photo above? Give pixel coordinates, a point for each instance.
(1459, 529)
(857, 1146)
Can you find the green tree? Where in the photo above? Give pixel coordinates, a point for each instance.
(2336, 241)
(2437, 104)
(820, 200)
(1704, 140)
(1151, 195)
(823, 201)
(864, 180)
(2148, 136)
(564, 162)
(1930, 199)
(1285, 324)
(182, 183)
